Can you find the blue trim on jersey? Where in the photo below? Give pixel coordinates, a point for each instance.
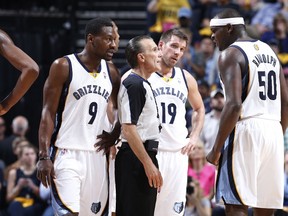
(172, 76)
(245, 74)
(184, 78)
(136, 94)
(61, 104)
(81, 63)
(173, 73)
(58, 199)
(225, 184)
(229, 166)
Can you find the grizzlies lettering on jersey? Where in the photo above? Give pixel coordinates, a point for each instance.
(260, 81)
(82, 107)
(171, 96)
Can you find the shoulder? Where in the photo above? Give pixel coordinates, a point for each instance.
(133, 81)
(230, 56)
(59, 70)
(4, 38)
(60, 62)
(12, 173)
(191, 82)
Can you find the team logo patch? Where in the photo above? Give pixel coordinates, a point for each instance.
(256, 47)
(94, 74)
(178, 207)
(95, 207)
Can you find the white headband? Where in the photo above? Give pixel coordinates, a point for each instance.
(225, 21)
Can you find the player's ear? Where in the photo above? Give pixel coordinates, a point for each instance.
(229, 28)
(160, 45)
(141, 57)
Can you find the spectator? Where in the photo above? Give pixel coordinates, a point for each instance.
(201, 171)
(212, 119)
(186, 22)
(278, 33)
(23, 186)
(204, 90)
(192, 61)
(196, 203)
(210, 54)
(2, 128)
(262, 21)
(20, 127)
(17, 145)
(166, 15)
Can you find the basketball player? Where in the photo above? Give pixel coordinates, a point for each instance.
(22, 62)
(76, 95)
(249, 144)
(172, 87)
(136, 168)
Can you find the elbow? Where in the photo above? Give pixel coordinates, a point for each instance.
(31, 70)
(34, 70)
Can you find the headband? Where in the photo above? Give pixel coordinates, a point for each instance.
(225, 21)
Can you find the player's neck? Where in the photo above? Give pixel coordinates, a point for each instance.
(166, 71)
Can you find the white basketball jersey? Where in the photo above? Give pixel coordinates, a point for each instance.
(261, 95)
(171, 96)
(82, 107)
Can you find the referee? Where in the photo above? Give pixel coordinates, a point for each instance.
(137, 176)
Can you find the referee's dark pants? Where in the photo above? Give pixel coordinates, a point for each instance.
(134, 196)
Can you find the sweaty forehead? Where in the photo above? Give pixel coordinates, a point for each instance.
(176, 40)
(107, 30)
(148, 44)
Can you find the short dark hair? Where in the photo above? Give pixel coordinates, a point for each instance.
(133, 48)
(95, 25)
(228, 13)
(166, 36)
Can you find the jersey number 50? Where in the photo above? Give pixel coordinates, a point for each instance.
(267, 85)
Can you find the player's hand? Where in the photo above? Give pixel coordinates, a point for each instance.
(45, 171)
(106, 140)
(154, 176)
(213, 157)
(22, 182)
(187, 149)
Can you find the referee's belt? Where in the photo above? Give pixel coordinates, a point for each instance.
(150, 145)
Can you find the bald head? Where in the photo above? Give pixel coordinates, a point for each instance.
(20, 125)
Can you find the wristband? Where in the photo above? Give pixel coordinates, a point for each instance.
(44, 158)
